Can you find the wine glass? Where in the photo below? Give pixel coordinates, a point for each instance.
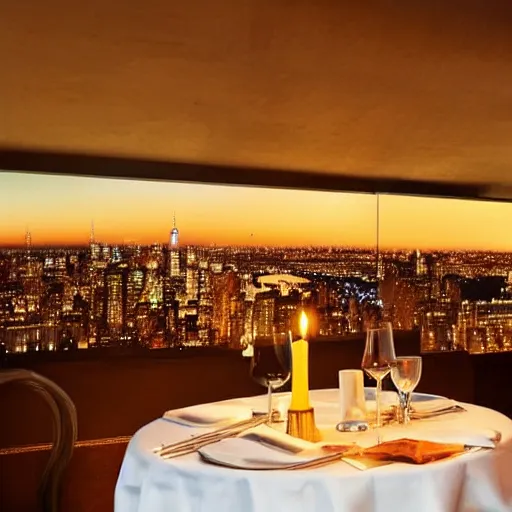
(378, 357)
(406, 374)
(271, 363)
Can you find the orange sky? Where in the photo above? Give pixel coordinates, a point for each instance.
(59, 210)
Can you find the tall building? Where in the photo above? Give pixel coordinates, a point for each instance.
(153, 291)
(192, 275)
(115, 301)
(174, 251)
(263, 316)
(134, 288)
(94, 248)
(224, 287)
(174, 234)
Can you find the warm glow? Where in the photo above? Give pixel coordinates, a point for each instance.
(59, 210)
(303, 325)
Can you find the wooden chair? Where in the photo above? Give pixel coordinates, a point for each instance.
(64, 428)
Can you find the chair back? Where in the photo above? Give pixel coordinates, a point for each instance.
(64, 431)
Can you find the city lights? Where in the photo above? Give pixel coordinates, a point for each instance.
(170, 295)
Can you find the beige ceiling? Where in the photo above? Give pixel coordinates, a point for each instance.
(399, 89)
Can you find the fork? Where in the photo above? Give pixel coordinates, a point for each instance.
(191, 445)
(326, 460)
(338, 457)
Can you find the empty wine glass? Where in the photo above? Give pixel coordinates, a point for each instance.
(406, 374)
(271, 362)
(378, 357)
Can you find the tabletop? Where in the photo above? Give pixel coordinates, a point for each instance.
(480, 481)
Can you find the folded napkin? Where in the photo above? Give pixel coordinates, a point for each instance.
(466, 437)
(268, 436)
(427, 407)
(416, 445)
(419, 408)
(213, 415)
(413, 451)
(261, 448)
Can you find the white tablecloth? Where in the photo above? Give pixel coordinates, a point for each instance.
(474, 482)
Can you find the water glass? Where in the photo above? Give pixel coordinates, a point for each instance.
(406, 374)
(352, 401)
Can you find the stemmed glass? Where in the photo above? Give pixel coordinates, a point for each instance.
(271, 363)
(378, 358)
(406, 374)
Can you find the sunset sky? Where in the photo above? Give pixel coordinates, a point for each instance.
(59, 210)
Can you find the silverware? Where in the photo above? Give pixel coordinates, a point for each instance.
(437, 412)
(332, 458)
(390, 415)
(277, 417)
(193, 444)
(326, 460)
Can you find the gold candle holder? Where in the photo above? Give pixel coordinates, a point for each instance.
(301, 424)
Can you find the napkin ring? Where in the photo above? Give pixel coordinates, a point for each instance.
(301, 424)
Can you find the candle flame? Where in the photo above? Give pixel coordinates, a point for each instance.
(303, 325)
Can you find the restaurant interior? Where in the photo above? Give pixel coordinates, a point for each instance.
(380, 98)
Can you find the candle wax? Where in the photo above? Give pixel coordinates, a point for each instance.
(300, 376)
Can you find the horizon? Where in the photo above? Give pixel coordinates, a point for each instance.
(85, 246)
(58, 211)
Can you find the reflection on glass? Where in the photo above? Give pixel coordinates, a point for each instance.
(406, 374)
(271, 360)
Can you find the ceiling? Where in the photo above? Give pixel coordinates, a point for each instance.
(390, 89)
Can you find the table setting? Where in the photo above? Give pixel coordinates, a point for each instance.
(354, 448)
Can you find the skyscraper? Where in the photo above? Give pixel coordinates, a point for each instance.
(173, 241)
(115, 284)
(174, 252)
(94, 247)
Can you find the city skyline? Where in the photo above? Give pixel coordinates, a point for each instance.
(58, 210)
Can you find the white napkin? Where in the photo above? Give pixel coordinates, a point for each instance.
(276, 439)
(260, 448)
(214, 415)
(468, 437)
(419, 407)
(430, 406)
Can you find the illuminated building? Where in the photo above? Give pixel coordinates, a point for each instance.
(153, 292)
(134, 287)
(174, 242)
(32, 281)
(116, 255)
(115, 287)
(285, 311)
(488, 325)
(192, 283)
(236, 322)
(51, 298)
(94, 248)
(263, 317)
(171, 326)
(52, 303)
(421, 265)
(224, 287)
(174, 253)
(192, 275)
(439, 324)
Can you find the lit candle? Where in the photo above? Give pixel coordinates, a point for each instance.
(300, 369)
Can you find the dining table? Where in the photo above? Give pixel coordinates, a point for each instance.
(479, 480)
